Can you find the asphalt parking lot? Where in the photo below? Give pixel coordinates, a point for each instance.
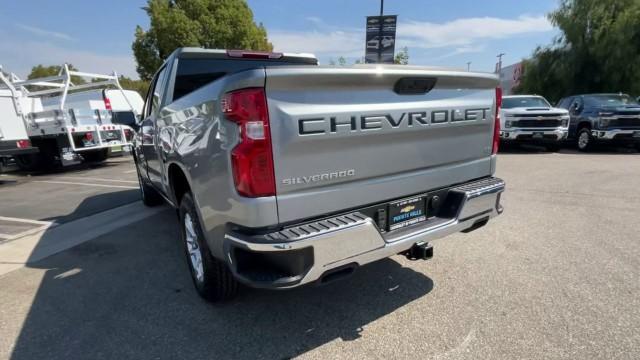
(556, 276)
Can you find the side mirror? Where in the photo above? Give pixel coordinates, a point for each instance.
(575, 108)
(126, 118)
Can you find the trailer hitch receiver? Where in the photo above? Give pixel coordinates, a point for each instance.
(419, 251)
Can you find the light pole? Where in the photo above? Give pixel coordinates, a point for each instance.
(380, 32)
(499, 67)
(468, 65)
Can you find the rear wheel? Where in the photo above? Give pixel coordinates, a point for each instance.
(212, 278)
(585, 140)
(46, 159)
(28, 162)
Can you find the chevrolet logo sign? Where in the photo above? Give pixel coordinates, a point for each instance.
(406, 209)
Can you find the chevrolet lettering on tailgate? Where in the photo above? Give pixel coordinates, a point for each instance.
(334, 124)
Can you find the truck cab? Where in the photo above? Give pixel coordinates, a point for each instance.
(603, 118)
(531, 119)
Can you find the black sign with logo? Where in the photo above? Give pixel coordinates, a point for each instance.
(381, 39)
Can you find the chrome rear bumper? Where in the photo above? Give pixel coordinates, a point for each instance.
(351, 239)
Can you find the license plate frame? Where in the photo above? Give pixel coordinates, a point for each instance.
(537, 135)
(406, 212)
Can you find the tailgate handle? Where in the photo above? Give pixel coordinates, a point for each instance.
(414, 85)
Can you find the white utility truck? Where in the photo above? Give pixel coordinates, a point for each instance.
(14, 139)
(123, 105)
(63, 128)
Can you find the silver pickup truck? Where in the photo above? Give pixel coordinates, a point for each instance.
(285, 173)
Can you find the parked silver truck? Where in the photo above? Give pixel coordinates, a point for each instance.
(286, 173)
(531, 119)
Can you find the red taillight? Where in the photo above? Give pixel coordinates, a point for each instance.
(23, 144)
(252, 159)
(496, 126)
(107, 103)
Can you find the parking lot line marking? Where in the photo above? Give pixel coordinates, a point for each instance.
(85, 184)
(129, 171)
(6, 218)
(97, 179)
(31, 248)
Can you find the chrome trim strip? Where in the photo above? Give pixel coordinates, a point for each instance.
(610, 134)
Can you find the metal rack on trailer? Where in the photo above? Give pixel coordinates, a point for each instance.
(65, 135)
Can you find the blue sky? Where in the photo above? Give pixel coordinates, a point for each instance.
(96, 36)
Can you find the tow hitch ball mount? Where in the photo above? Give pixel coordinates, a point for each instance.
(419, 251)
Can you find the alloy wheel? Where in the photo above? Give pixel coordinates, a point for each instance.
(193, 249)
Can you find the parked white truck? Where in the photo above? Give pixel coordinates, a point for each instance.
(14, 140)
(61, 128)
(123, 105)
(531, 119)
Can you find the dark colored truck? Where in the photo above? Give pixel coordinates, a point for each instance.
(606, 118)
(286, 173)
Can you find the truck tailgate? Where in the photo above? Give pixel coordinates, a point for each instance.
(348, 137)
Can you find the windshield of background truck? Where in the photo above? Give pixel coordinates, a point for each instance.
(610, 100)
(508, 103)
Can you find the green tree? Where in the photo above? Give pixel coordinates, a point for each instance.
(342, 61)
(402, 57)
(222, 24)
(598, 51)
(40, 71)
(141, 86)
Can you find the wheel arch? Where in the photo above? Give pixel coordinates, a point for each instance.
(179, 183)
(583, 124)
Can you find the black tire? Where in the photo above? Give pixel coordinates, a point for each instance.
(44, 160)
(95, 155)
(29, 162)
(149, 195)
(585, 140)
(638, 146)
(213, 280)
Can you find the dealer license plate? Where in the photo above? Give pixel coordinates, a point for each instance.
(406, 212)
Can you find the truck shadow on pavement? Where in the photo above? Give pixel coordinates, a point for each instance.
(128, 294)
